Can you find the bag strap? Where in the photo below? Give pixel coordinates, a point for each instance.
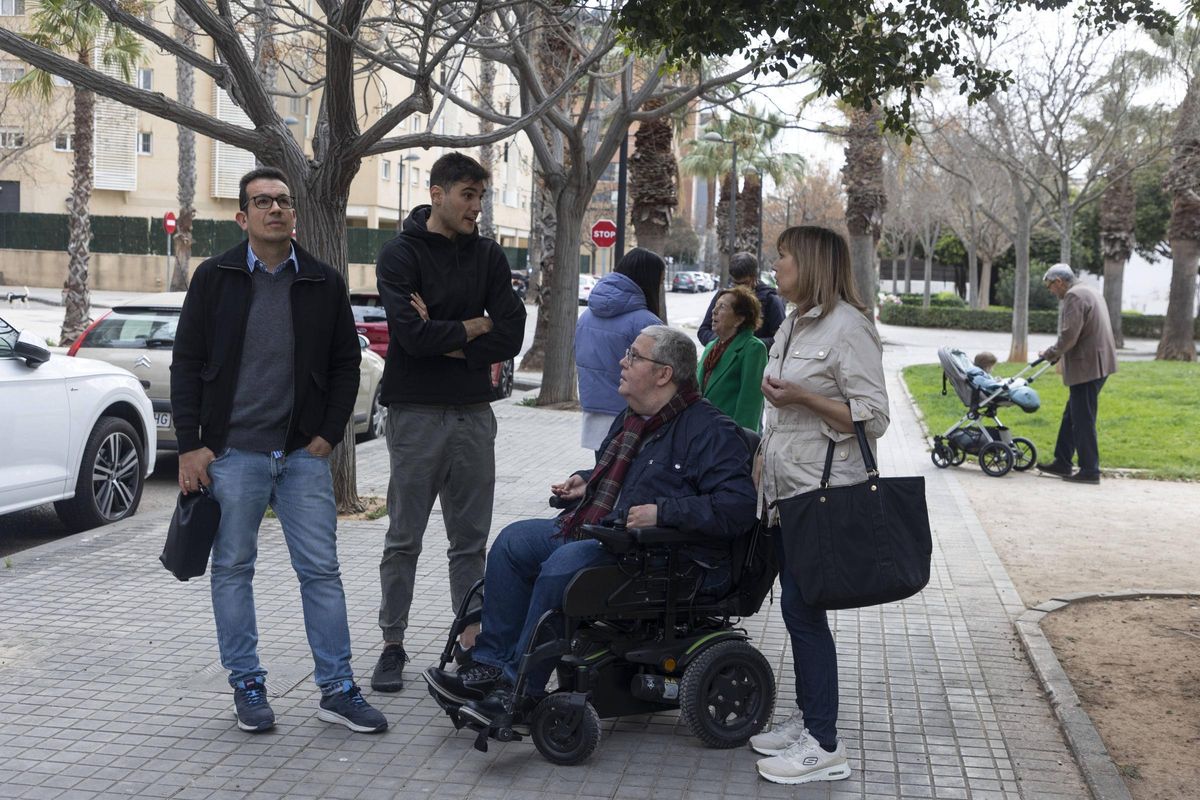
(867, 456)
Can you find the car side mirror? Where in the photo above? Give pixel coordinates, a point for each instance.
(32, 348)
(363, 342)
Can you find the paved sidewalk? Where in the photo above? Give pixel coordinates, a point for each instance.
(108, 669)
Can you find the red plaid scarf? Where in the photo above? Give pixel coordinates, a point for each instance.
(602, 490)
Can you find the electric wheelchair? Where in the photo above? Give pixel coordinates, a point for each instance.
(636, 637)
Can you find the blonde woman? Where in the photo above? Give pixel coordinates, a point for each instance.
(824, 373)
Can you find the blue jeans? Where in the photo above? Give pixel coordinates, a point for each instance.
(814, 655)
(299, 487)
(528, 569)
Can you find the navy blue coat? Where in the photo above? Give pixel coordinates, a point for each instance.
(696, 469)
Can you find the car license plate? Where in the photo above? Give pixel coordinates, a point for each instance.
(162, 419)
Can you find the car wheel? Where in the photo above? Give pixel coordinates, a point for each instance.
(111, 477)
(504, 385)
(377, 422)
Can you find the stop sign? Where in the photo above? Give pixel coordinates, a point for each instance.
(604, 233)
(169, 222)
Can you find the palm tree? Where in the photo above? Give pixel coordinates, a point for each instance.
(185, 87)
(1178, 342)
(1117, 217)
(653, 181)
(81, 30)
(862, 176)
(755, 134)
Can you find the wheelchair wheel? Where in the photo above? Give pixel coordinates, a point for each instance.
(556, 738)
(1024, 454)
(727, 694)
(996, 459)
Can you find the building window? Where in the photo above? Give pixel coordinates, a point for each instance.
(12, 138)
(416, 122)
(145, 79)
(387, 170)
(416, 176)
(64, 142)
(58, 80)
(12, 8)
(293, 105)
(11, 73)
(145, 142)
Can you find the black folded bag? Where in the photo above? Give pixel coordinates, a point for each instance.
(859, 545)
(190, 537)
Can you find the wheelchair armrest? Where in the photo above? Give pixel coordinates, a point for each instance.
(615, 540)
(660, 536)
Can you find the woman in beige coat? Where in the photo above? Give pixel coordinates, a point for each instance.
(824, 373)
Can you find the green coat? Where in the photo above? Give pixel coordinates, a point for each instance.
(736, 383)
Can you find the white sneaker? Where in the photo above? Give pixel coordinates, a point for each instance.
(780, 737)
(805, 761)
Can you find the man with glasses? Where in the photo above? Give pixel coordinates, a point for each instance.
(264, 374)
(671, 459)
(1089, 355)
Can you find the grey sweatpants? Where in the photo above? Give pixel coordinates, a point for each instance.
(435, 451)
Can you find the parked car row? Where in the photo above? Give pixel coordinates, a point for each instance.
(693, 282)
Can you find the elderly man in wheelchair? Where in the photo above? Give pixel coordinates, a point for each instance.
(629, 594)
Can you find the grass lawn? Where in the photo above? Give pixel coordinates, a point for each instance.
(1148, 420)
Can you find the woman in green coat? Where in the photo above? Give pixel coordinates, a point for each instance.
(730, 371)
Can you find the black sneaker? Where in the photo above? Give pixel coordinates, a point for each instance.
(389, 669)
(1083, 477)
(346, 706)
(470, 683)
(250, 704)
(1054, 468)
(494, 709)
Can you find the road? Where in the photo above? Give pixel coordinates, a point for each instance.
(24, 529)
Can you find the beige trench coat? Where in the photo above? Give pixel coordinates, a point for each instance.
(839, 357)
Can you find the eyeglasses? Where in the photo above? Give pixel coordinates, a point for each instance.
(633, 356)
(265, 201)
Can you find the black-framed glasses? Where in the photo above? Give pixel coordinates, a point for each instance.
(265, 201)
(633, 356)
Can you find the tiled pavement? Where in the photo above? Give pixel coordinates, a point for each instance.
(111, 688)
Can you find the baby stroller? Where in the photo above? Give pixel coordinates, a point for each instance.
(980, 432)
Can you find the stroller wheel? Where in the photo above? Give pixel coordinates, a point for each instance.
(996, 459)
(1024, 454)
(959, 455)
(942, 454)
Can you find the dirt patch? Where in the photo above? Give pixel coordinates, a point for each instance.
(1136, 667)
(373, 508)
(1134, 664)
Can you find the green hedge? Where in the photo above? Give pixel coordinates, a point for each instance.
(1138, 326)
(939, 299)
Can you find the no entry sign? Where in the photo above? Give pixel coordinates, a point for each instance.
(169, 223)
(604, 233)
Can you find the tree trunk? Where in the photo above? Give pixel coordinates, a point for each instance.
(1118, 207)
(723, 200)
(866, 200)
(1178, 341)
(908, 268)
(546, 233)
(1114, 280)
(750, 215)
(558, 372)
(862, 257)
(653, 180)
(185, 86)
(926, 297)
(972, 275)
(985, 281)
(76, 297)
(487, 152)
(1020, 313)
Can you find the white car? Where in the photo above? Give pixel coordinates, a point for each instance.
(586, 283)
(75, 432)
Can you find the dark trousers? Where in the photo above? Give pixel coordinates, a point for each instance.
(814, 656)
(1077, 433)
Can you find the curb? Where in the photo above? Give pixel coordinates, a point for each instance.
(1099, 770)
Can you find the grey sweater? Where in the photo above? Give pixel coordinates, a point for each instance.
(262, 403)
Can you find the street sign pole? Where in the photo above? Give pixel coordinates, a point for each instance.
(169, 224)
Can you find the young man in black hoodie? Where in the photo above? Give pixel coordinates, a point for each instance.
(451, 314)
(743, 271)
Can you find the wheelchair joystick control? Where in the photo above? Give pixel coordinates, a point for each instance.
(655, 688)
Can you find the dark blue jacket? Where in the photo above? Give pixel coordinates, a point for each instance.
(696, 469)
(615, 315)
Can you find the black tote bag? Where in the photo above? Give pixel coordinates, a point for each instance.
(191, 535)
(859, 545)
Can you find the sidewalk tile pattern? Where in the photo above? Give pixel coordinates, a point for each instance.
(111, 688)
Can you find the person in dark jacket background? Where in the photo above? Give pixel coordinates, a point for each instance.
(619, 307)
(743, 271)
(264, 372)
(670, 459)
(451, 314)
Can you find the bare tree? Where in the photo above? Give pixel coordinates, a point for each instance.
(335, 49)
(38, 123)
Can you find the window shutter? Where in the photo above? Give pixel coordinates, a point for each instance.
(114, 152)
(229, 163)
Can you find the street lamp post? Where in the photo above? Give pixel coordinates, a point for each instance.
(713, 136)
(400, 188)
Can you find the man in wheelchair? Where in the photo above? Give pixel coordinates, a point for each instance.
(671, 460)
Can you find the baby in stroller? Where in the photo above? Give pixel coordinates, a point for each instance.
(997, 450)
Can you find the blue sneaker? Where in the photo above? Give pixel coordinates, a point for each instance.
(254, 713)
(345, 706)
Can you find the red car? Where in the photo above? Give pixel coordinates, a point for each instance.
(371, 321)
